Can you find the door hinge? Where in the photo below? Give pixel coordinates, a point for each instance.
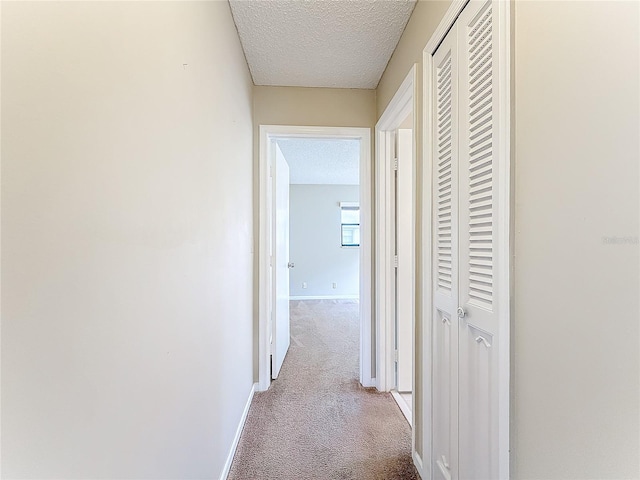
(395, 355)
(395, 164)
(395, 261)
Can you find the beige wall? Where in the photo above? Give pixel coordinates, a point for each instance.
(576, 300)
(126, 239)
(576, 377)
(327, 107)
(424, 20)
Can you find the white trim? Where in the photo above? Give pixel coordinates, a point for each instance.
(417, 461)
(505, 199)
(267, 132)
(384, 260)
(1, 472)
(325, 297)
(236, 438)
(403, 405)
(401, 105)
(427, 263)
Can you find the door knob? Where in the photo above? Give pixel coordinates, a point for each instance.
(461, 312)
(291, 265)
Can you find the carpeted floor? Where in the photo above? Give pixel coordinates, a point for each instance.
(316, 421)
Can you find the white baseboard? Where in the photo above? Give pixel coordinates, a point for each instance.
(368, 382)
(404, 408)
(236, 439)
(417, 461)
(324, 297)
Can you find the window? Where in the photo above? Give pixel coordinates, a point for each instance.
(350, 224)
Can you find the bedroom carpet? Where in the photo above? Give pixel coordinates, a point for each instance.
(316, 421)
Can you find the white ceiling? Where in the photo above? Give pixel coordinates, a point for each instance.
(319, 43)
(322, 162)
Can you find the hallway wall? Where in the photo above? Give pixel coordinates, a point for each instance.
(575, 332)
(327, 107)
(576, 327)
(126, 239)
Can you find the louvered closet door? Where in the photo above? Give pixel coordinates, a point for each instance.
(445, 258)
(478, 335)
(465, 335)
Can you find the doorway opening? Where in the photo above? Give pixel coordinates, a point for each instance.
(404, 235)
(324, 217)
(395, 256)
(312, 188)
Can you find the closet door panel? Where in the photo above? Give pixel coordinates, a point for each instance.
(477, 423)
(444, 396)
(478, 175)
(445, 258)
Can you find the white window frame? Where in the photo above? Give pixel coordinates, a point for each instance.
(348, 206)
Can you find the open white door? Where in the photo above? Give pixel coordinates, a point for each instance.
(280, 338)
(405, 271)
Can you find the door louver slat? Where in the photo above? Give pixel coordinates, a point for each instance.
(443, 202)
(481, 198)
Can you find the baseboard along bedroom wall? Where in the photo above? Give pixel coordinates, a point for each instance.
(324, 297)
(236, 438)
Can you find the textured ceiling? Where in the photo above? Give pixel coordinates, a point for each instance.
(322, 162)
(320, 43)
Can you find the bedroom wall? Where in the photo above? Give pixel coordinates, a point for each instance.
(315, 242)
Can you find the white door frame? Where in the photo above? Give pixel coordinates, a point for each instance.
(402, 104)
(505, 226)
(268, 133)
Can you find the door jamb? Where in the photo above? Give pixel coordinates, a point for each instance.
(505, 225)
(402, 104)
(267, 133)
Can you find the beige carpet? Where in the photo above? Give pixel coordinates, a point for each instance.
(316, 421)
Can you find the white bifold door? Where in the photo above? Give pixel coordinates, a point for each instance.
(464, 320)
